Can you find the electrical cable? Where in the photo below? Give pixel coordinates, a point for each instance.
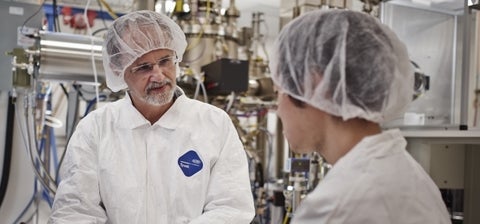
(207, 15)
(84, 91)
(109, 9)
(60, 162)
(46, 196)
(64, 89)
(30, 202)
(29, 218)
(36, 171)
(196, 41)
(89, 107)
(99, 30)
(77, 87)
(37, 148)
(199, 36)
(51, 123)
(29, 18)
(28, 148)
(57, 172)
(54, 153)
(35, 165)
(49, 133)
(7, 159)
(285, 219)
(202, 52)
(58, 24)
(53, 144)
(54, 7)
(62, 156)
(35, 188)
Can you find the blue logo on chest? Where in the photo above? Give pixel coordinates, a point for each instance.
(190, 163)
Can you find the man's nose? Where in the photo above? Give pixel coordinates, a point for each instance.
(158, 73)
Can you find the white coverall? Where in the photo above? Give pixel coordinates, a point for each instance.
(376, 182)
(188, 167)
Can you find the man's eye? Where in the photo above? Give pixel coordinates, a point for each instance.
(143, 68)
(164, 62)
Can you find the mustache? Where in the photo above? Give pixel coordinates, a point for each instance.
(154, 85)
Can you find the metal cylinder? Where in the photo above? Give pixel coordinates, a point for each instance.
(257, 19)
(68, 57)
(201, 44)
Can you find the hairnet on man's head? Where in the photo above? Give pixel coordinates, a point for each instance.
(345, 63)
(134, 35)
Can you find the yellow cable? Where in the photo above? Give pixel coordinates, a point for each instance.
(109, 9)
(285, 219)
(178, 6)
(196, 41)
(208, 10)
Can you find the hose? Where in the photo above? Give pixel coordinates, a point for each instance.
(7, 159)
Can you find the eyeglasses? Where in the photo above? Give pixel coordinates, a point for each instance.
(143, 69)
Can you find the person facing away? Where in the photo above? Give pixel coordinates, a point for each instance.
(154, 156)
(344, 72)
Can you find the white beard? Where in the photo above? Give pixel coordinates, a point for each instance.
(159, 99)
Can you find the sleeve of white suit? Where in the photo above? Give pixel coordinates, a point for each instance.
(229, 197)
(78, 199)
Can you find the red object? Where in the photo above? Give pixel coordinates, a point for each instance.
(77, 20)
(67, 15)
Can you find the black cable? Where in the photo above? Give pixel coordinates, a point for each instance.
(7, 159)
(99, 30)
(78, 89)
(64, 89)
(55, 15)
(34, 14)
(58, 24)
(57, 172)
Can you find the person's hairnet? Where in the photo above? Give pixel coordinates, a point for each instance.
(133, 35)
(345, 63)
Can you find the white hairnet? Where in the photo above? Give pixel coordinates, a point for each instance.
(345, 63)
(133, 35)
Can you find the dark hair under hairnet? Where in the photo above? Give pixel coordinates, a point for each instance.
(345, 63)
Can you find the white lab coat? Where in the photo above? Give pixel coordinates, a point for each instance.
(376, 182)
(140, 174)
